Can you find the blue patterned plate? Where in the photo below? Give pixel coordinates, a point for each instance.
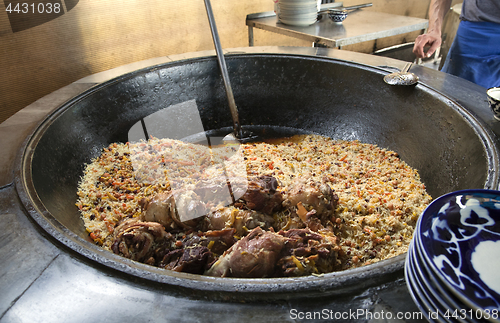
(434, 310)
(454, 309)
(459, 237)
(416, 294)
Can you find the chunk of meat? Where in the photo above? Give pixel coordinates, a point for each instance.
(311, 194)
(310, 202)
(247, 220)
(220, 190)
(221, 268)
(219, 241)
(193, 254)
(262, 195)
(256, 254)
(253, 256)
(306, 252)
(220, 218)
(137, 240)
(165, 208)
(190, 260)
(183, 208)
(241, 220)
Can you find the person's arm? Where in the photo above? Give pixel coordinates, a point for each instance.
(437, 11)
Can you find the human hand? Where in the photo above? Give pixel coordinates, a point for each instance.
(430, 39)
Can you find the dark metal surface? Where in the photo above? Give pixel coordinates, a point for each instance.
(334, 98)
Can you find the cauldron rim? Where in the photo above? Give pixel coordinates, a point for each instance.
(327, 284)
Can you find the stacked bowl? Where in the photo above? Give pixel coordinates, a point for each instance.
(453, 262)
(298, 12)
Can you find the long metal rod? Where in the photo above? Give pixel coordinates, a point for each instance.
(340, 8)
(358, 6)
(223, 69)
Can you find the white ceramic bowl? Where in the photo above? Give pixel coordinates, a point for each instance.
(494, 101)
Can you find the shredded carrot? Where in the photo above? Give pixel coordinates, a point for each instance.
(297, 263)
(301, 211)
(109, 226)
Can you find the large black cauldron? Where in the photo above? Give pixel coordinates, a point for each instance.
(334, 98)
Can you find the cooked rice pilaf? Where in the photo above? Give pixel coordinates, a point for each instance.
(380, 197)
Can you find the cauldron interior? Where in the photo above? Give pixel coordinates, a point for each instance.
(335, 98)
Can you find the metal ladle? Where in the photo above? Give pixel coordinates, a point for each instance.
(403, 77)
(238, 133)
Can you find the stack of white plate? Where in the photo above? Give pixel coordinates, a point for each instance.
(453, 263)
(298, 12)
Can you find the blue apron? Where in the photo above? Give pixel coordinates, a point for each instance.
(475, 53)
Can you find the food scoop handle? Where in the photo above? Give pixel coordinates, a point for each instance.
(223, 68)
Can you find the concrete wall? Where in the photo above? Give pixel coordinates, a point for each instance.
(97, 35)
